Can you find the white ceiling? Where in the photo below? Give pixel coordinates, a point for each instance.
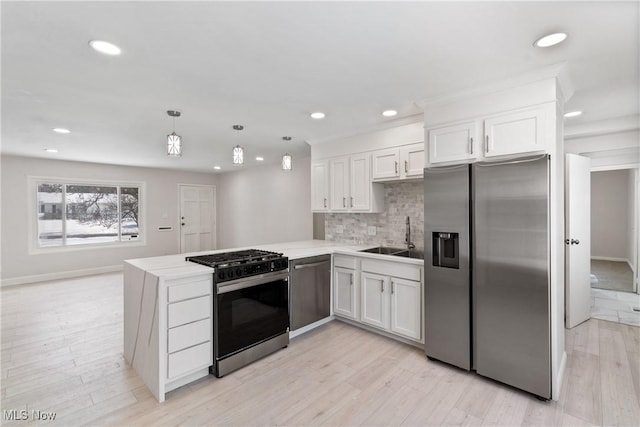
(267, 65)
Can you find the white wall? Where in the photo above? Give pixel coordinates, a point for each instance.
(609, 214)
(161, 198)
(265, 205)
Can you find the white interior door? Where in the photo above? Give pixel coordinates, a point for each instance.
(577, 239)
(197, 218)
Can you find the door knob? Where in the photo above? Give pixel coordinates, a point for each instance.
(575, 241)
(182, 223)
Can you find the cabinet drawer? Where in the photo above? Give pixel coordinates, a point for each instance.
(190, 359)
(394, 269)
(197, 288)
(344, 262)
(188, 311)
(188, 335)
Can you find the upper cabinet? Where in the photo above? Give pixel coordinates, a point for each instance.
(514, 133)
(453, 143)
(404, 162)
(509, 134)
(343, 184)
(320, 186)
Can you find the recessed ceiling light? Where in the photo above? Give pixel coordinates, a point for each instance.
(50, 150)
(317, 115)
(259, 158)
(550, 40)
(217, 168)
(573, 114)
(61, 130)
(389, 113)
(105, 47)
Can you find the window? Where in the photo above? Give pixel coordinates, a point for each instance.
(71, 214)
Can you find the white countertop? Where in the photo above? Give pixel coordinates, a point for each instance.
(175, 265)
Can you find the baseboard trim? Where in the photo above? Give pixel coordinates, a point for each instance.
(23, 280)
(606, 258)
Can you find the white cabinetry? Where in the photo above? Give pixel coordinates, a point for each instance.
(517, 132)
(375, 301)
(345, 287)
(346, 183)
(168, 324)
(392, 303)
(514, 133)
(385, 295)
(320, 186)
(404, 162)
(453, 143)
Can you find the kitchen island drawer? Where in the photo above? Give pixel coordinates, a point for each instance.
(189, 311)
(344, 261)
(190, 359)
(189, 335)
(197, 287)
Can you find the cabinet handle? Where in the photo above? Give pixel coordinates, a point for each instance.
(351, 201)
(396, 167)
(381, 286)
(344, 202)
(325, 202)
(351, 279)
(393, 286)
(486, 144)
(406, 166)
(471, 145)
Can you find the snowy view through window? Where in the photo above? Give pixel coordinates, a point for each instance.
(75, 214)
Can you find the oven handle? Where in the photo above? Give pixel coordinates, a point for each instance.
(247, 282)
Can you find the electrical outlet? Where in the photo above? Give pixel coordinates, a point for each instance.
(371, 230)
(340, 229)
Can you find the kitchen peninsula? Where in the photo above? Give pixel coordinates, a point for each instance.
(168, 306)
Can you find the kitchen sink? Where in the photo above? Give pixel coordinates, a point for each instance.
(384, 250)
(410, 254)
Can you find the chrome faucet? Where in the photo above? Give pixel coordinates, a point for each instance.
(407, 236)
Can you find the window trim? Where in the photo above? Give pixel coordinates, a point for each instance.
(35, 248)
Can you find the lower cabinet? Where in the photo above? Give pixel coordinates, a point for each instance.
(392, 304)
(385, 295)
(344, 291)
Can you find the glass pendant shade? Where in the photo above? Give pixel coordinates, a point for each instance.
(174, 145)
(238, 155)
(286, 162)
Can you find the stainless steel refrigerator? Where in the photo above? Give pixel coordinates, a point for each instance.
(486, 229)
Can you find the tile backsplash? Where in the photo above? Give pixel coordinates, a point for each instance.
(401, 199)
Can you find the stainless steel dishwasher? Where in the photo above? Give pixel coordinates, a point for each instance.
(310, 284)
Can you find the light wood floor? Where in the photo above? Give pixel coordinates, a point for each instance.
(62, 352)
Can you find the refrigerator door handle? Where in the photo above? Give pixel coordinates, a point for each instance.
(513, 162)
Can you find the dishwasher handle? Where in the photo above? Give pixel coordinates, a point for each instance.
(310, 265)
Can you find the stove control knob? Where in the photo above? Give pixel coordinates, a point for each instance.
(230, 274)
(238, 272)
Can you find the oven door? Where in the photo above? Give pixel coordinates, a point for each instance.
(249, 311)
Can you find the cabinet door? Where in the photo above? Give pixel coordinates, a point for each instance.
(375, 302)
(339, 178)
(406, 303)
(514, 133)
(320, 186)
(386, 164)
(453, 143)
(360, 197)
(412, 160)
(344, 291)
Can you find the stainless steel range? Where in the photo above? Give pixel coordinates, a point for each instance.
(251, 306)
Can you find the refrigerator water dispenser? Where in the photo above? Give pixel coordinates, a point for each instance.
(445, 250)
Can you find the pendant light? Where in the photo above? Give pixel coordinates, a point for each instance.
(174, 141)
(286, 159)
(238, 151)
